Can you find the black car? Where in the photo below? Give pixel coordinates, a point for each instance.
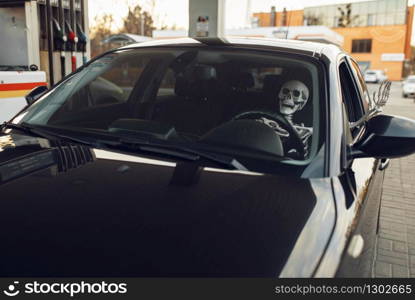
(199, 158)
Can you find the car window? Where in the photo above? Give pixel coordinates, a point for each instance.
(168, 83)
(364, 93)
(112, 86)
(200, 97)
(351, 96)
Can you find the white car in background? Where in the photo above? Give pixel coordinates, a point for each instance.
(375, 76)
(408, 87)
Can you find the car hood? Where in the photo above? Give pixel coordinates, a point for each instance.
(68, 210)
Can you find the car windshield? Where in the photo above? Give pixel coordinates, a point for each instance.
(370, 73)
(239, 102)
(410, 80)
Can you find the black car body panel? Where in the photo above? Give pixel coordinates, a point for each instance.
(121, 215)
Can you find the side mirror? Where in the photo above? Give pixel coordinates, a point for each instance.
(33, 68)
(386, 137)
(35, 94)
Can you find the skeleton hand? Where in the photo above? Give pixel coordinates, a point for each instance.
(274, 125)
(377, 102)
(304, 133)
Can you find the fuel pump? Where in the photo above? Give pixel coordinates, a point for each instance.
(58, 35)
(79, 7)
(72, 40)
(82, 40)
(20, 56)
(40, 30)
(64, 39)
(60, 39)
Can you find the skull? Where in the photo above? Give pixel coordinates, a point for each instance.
(293, 97)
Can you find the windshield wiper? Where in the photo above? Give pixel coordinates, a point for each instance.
(196, 155)
(25, 129)
(53, 135)
(134, 144)
(182, 152)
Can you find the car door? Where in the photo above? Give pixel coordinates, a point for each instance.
(361, 178)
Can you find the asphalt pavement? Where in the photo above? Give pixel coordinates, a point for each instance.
(395, 242)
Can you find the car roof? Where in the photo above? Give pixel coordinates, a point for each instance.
(310, 48)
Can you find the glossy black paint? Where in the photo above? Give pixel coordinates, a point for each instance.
(388, 137)
(85, 215)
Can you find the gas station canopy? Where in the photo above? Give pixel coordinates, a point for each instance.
(320, 34)
(207, 19)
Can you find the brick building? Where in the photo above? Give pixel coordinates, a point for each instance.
(377, 33)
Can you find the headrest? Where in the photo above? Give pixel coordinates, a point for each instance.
(201, 72)
(271, 85)
(196, 88)
(242, 80)
(182, 86)
(271, 81)
(195, 82)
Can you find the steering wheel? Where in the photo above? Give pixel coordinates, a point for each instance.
(294, 141)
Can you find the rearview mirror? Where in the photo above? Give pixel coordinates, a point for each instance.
(386, 137)
(35, 94)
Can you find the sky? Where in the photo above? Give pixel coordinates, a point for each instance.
(175, 12)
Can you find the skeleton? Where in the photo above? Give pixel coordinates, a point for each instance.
(293, 97)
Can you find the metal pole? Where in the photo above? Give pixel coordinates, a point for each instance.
(50, 41)
(62, 24)
(248, 16)
(84, 59)
(73, 25)
(73, 15)
(73, 19)
(142, 24)
(83, 15)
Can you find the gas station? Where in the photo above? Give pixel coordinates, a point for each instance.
(43, 41)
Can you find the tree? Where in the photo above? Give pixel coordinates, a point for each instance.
(103, 28)
(312, 20)
(138, 21)
(346, 19)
